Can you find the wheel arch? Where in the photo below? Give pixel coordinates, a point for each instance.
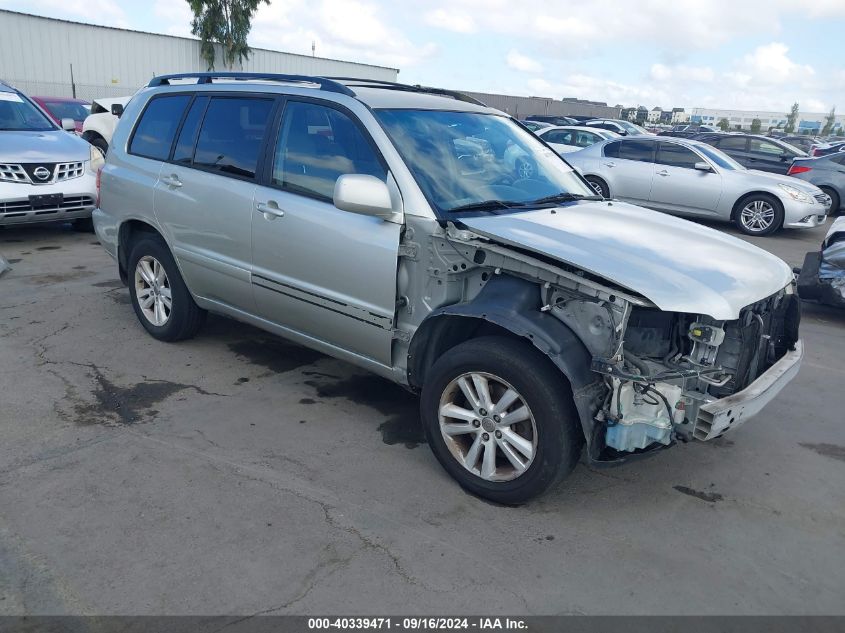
(127, 232)
(509, 306)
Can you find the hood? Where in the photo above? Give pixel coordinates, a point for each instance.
(51, 146)
(678, 265)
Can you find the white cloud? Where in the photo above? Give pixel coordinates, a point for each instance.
(176, 16)
(523, 63)
(344, 29)
(450, 20)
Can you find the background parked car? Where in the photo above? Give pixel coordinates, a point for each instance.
(829, 148)
(687, 131)
(99, 126)
(64, 108)
(827, 173)
(571, 138)
(46, 174)
(685, 177)
(622, 128)
(552, 119)
(803, 142)
(754, 151)
(536, 125)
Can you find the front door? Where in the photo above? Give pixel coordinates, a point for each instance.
(679, 187)
(324, 273)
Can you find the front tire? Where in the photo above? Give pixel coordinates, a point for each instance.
(759, 214)
(100, 143)
(160, 298)
(500, 419)
(835, 200)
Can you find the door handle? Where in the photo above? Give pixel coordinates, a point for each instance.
(662, 172)
(610, 164)
(270, 210)
(172, 181)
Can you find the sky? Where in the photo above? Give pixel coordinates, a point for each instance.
(737, 54)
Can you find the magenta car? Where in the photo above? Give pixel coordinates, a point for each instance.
(65, 108)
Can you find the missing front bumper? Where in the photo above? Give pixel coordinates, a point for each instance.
(715, 418)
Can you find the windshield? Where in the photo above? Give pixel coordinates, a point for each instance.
(719, 157)
(478, 161)
(630, 128)
(18, 114)
(67, 110)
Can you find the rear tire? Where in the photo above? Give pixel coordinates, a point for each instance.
(759, 214)
(160, 298)
(599, 186)
(835, 200)
(529, 455)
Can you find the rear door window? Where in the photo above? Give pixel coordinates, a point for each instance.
(563, 137)
(675, 155)
(231, 135)
(640, 151)
(153, 136)
(318, 144)
(759, 146)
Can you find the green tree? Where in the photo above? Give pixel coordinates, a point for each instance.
(756, 124)
(723, 125)
(829, 122)
(224, 22)
(791, 119)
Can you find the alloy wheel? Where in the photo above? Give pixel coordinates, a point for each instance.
(152, 290)
(757, 216)
(487, 426)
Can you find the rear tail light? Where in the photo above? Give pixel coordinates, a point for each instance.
(797, 169)
(99, 176)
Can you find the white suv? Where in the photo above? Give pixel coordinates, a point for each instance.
(46, 174)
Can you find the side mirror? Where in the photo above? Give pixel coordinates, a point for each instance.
(363, 194)
(69, 125)
(702, 166)
(117, 109)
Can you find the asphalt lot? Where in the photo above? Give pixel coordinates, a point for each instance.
(239, 474)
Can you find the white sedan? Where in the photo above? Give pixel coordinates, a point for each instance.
(565, 139)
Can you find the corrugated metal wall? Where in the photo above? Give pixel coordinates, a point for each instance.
(36, 54)
(521, 107)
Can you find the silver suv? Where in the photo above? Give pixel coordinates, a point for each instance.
(399, 228)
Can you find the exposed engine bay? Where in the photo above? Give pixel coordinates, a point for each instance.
(661, 367)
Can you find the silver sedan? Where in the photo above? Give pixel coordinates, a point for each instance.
(685, 177)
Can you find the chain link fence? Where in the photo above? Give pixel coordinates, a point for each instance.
(88, 92)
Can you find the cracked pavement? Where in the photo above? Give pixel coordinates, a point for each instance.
(239, 474)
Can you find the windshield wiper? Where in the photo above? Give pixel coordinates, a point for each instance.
(561, 197)
(484, 205)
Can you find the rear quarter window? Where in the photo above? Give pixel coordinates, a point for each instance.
(156, 128)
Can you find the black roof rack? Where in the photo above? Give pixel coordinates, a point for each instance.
(392, 85)
(206, 78)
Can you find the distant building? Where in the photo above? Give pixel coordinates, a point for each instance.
(679, 116)
(59, 58)
(808, 123)
(522, 107)
(655, 114)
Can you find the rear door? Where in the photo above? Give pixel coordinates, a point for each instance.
(561, 140)
(629, 167)
(204, 197)
(327, 274)
(678, 186)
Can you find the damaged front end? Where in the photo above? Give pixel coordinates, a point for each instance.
(666, 373)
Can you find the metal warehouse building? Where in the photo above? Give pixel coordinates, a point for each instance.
(521, 107)
(38, 55)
